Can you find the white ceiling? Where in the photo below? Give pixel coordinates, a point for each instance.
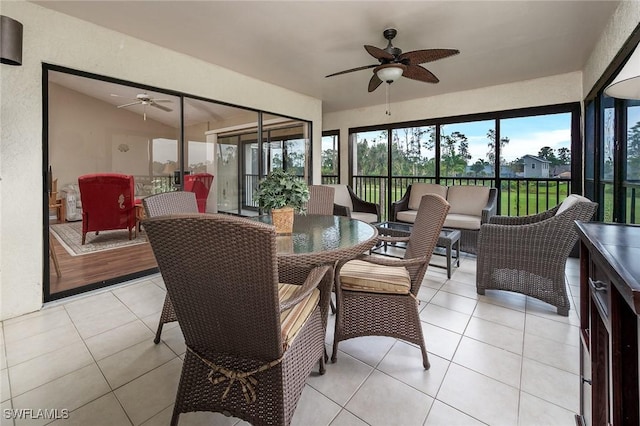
(294, 44)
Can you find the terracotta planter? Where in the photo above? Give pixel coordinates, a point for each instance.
(282, 219)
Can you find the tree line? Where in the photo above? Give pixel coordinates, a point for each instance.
(413, 154)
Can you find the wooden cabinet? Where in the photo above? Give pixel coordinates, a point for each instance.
(609, 309)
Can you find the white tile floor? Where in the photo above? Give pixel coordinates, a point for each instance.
(497, 359)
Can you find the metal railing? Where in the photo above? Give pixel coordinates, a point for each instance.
(518, 196)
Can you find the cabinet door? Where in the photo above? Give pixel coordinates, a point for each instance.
(585, 390)
(600, 410)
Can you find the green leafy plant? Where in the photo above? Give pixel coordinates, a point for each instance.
(282, 189)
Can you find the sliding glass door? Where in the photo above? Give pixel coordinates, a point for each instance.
(161, 141)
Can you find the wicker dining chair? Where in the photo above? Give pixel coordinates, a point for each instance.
(528, 254)
(377, 296)
(251, 342)
(166, 203)
(320, 200)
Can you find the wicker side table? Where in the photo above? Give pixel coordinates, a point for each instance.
(449, 239)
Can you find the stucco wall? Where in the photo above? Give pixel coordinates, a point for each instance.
(620, 26)
(55, 38)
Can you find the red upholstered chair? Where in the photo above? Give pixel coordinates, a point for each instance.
(107, 203)
(200, 184)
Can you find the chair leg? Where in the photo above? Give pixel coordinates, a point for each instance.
(84, 237)
(322, 367)
(563, 311)
(425, 357)
(156, 340)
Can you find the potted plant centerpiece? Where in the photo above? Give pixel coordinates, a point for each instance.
(282, 193)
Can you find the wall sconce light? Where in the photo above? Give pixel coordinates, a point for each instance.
(10, 41)
(626, 85)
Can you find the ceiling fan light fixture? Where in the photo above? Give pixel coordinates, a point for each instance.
(389, 72)
(626, 85)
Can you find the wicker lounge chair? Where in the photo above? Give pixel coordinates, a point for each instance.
(528, 254)
(167, 203)
(251, 342)
(347, 203)
(378, 296)
(320, 200)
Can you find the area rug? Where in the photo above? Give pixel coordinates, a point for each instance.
(70, 236)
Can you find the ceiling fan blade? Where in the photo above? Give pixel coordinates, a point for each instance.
(162, 100)
(416, 72)
(162, 107)
(374, 83)
(129, 104)
(378, 53)
(352, 70)
(427, 55)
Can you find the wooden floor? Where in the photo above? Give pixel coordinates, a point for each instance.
(78, 271)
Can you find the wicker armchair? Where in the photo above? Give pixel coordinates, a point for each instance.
(320, 200)
(166, 203)
(251, 342)
(528, 254)
(378, 296)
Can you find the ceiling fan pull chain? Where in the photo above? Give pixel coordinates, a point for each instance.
(388, 104)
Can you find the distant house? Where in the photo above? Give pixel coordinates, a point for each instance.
(535, 167)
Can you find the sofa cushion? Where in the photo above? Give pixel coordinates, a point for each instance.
(570, 201)
(359, 275)
(341, 196)
(418, 190)
(468, 199)
(365, 217)
(407, 216)
(462, 221)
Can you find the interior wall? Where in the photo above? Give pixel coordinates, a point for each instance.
(54, 38)
(624, 20)
(552, 90)
(85, 134)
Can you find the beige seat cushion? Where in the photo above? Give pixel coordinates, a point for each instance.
(365, 217)
(468, 199)
(462, 221)
(407, 216)
(418, 190)
(359, 275)
(292, 320)
(570, 201)
(341, 196)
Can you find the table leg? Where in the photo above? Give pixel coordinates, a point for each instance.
(449, 260)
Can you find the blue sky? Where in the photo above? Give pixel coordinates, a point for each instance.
(526, 135)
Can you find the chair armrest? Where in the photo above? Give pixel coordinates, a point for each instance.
(492, 205)
(339, 210)
(311, 283)
(388, 261)
(523, 220)
(360, 205)
(401, 205)
(513, 245)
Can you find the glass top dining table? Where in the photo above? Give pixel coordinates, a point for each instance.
(317, 234)
(320, 240)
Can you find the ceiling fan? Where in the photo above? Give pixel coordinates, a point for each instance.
(144, 99)
(393, 63)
